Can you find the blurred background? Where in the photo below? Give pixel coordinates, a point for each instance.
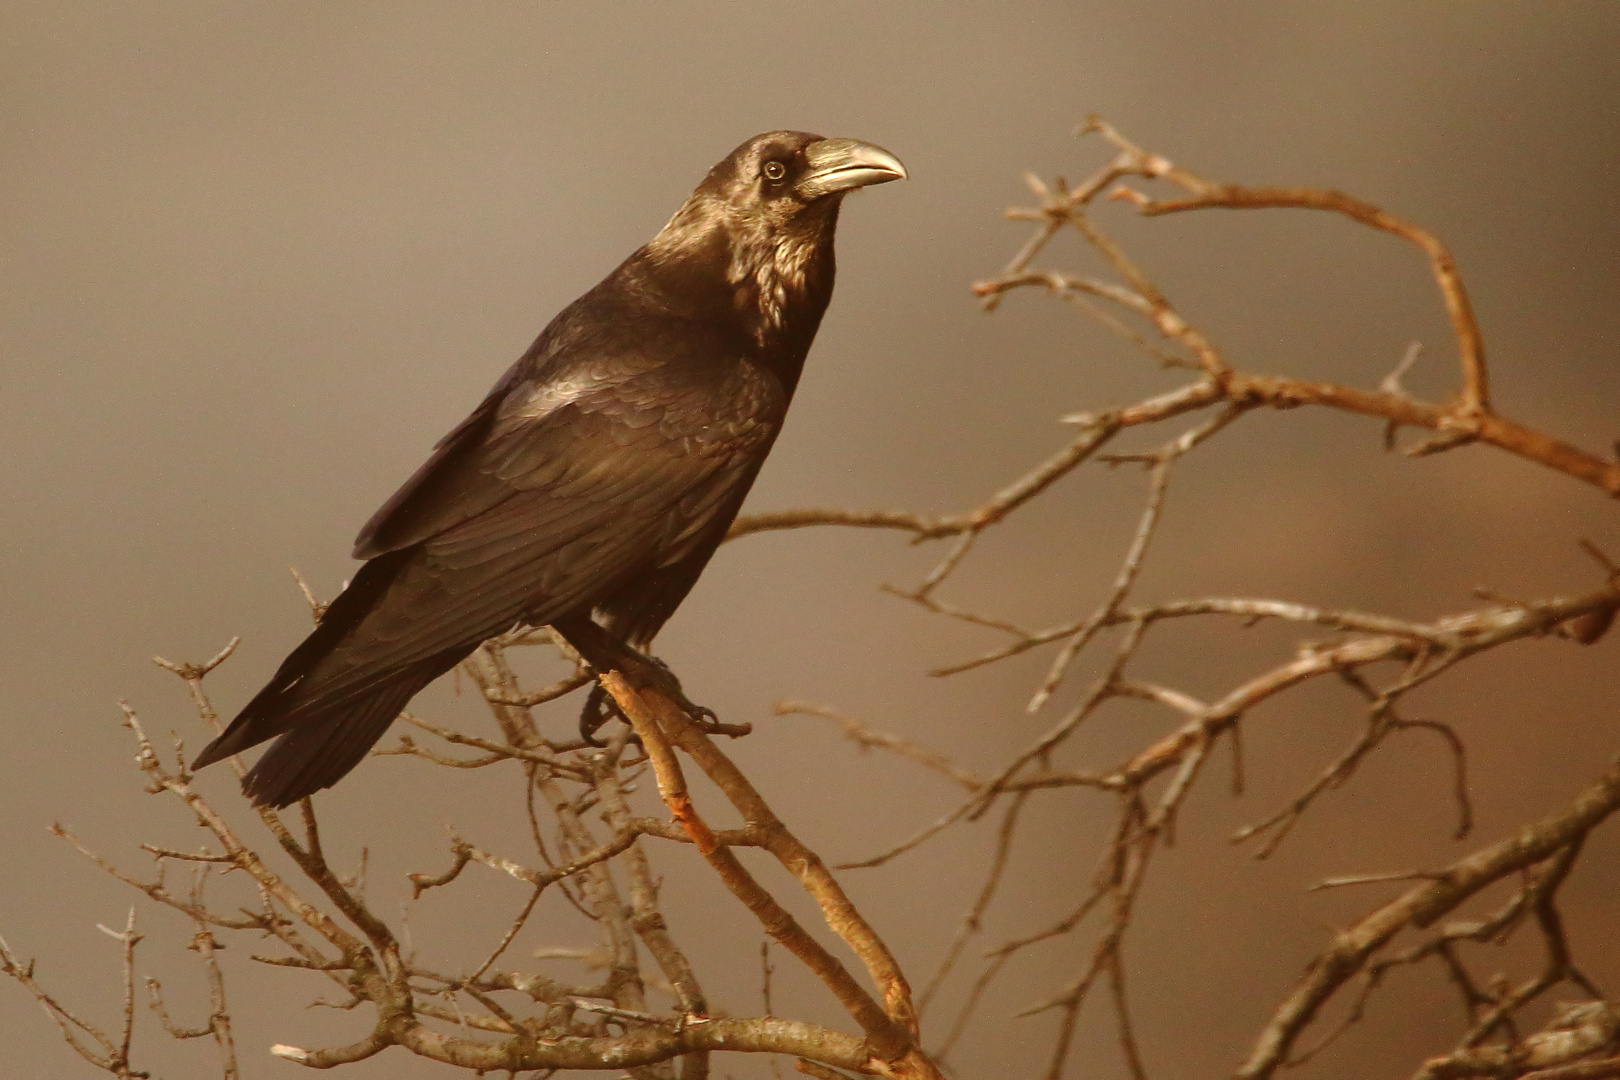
(256, 259)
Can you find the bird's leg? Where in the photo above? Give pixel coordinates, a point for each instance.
(604, 652)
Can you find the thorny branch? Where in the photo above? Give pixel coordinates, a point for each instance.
(590, 838)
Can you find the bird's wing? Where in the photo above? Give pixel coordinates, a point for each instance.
(450, 486)
(538, 513)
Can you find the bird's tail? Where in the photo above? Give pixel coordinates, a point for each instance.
(318, 753)
(327, 715)
(273, 709)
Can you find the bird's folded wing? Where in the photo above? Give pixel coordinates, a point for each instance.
(528, 524)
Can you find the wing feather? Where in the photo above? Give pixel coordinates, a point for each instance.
(584, 509)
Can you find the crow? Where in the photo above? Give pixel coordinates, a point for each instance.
(595, 481)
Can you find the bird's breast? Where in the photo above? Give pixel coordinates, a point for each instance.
(772, 278)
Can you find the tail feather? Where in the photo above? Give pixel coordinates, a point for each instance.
(275, 709)
(318, 753)
(326, 717)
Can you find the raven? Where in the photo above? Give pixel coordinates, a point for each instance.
(592, 485)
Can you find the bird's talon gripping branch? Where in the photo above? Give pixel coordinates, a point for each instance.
(705, 717)
(666, 683)
(649, 672)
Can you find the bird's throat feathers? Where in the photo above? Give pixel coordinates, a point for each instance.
(774, 275)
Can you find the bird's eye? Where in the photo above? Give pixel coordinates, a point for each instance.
(774, 171)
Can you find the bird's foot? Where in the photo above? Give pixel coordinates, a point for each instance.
(652, 674)
(670, 686)
(656, 675)
(667, 684)
(705, 718)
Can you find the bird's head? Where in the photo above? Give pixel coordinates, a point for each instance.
(785, 176)
(766, 213)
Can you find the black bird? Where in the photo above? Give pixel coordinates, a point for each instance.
(592, 485)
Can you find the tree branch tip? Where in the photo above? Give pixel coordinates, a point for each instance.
(290, 1053)
(1374, 879)
(1435, 444)
(194, 672)
(1392, 382)
(128, 937)
(1128, 194)
(1486, 593)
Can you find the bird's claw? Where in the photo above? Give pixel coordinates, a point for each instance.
(670, 686)
(600, 707)
(703, 716)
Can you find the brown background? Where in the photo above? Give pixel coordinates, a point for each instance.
(255, 259)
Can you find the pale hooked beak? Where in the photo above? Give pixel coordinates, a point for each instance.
(843, 164)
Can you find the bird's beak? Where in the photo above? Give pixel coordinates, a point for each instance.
(842, 164)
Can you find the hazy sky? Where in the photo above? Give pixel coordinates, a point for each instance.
(256, 259)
